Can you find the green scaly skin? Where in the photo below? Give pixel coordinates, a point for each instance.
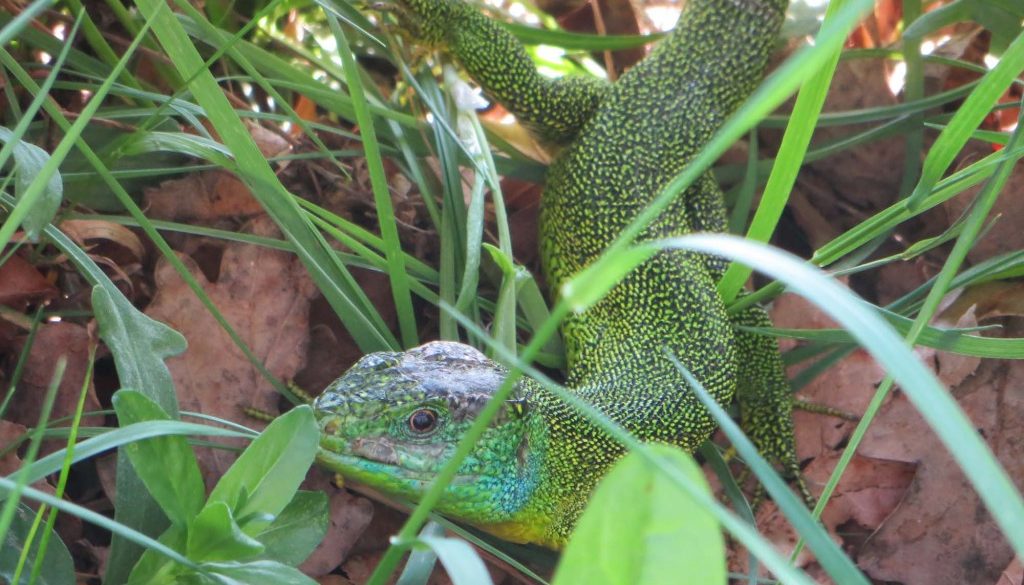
(530, 477)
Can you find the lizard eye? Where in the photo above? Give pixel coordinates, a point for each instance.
(422, 421)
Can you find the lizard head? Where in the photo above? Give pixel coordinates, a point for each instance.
(394, 419)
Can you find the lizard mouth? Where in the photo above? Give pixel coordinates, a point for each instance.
(375, 450)
(366, 457)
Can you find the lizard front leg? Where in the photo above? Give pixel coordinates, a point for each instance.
(553, 109)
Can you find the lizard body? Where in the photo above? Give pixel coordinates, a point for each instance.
(395, 418)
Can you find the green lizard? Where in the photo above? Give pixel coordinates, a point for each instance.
(394, 419)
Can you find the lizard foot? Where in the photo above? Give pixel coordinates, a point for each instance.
(824, 409)
(263, 415)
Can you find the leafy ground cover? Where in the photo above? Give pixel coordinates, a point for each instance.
(285, 186)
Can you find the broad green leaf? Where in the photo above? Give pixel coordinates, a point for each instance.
(297, 530)
(641, 528)
(253, 573)
(57, 566)
(215, 536)
(267, 474)
(166, 464)
(92, 517)
(154, 568)
(28, 163)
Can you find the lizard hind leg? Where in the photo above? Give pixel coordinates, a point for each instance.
(764, 396)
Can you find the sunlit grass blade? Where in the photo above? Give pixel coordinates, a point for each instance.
(836, 564)
(381, 195)
(933, 401)
(788, 161)
(338, 286)
(967, 118)
(740, 530)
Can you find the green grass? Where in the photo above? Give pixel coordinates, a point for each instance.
(483, 298)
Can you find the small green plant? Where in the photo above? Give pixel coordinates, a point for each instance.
(254, 527)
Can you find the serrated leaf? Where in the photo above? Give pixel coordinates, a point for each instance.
(269, 471)
(215, 536)
(139, 345)
(640, 527)
(166, 465)
(297, 530)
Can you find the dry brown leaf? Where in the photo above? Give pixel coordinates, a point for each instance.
(941, 533)
(864, 178)
(772, 525)
(1004, 234)
(54, 341)
(201, 197)
(1002, 298)
(349, 516)
(847, 386)
(896, 279)
(83, 230)
(265, 295)
(332, 349)
(1012, 575)
(868, 492)
(21, 283)
(10, 432)
(270, 143)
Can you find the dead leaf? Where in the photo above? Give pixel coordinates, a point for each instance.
(10, 432)
(270, 143)
(21, 283)
(54, 341)
(772, 525)
(1012, 575)
(870, 489)
(349, 517)
(849, 185)
(1004, 234)
(84, 230)
(201, 197)
(847, 386)
(265, 295)
(941, 533)
(1001, 298)
(332, 349)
